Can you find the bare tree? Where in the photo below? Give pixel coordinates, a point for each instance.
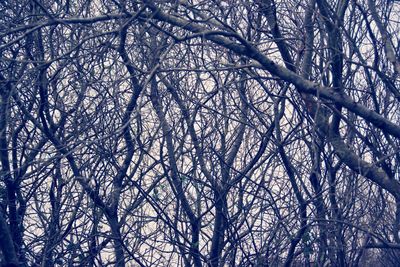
(199, 133)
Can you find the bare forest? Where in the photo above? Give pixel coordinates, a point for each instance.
(200, 133)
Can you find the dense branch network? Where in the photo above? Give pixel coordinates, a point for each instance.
(199, 133)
